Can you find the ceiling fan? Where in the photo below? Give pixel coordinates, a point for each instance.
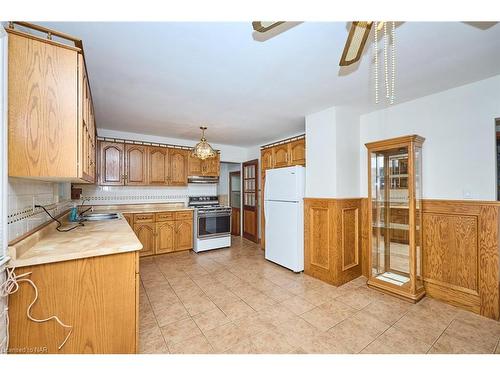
(355, 43)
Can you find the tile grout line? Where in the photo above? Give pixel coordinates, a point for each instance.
(441, 334)
(151, 307)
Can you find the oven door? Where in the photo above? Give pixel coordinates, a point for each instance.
(214, 225)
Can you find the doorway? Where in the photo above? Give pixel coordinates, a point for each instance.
(250, 196)
(235, 202)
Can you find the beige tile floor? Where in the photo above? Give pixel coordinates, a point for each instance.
(234, 301)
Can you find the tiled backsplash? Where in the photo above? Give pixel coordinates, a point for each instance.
(24, 194)
(99, 195)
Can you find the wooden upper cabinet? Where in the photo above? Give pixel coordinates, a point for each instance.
(178, 166)
(135, 165)
(267, 161)
(281, 156)
(207, 167)
(297, 152)
(195, 166)
(211, 167)
(158, 166)
(43, 109)
(50, 116)
(111, 163)
(183, 234)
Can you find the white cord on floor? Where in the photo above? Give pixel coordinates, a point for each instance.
(11, 286)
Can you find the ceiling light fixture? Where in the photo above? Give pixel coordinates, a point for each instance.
(203, 150)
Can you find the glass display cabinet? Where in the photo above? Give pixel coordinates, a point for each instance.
(394, 206)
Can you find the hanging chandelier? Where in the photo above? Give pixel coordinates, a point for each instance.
(203, 150)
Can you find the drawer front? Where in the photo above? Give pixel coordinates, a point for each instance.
(165, 216)
(184, 215)
(144, 218)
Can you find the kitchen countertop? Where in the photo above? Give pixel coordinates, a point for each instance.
(95, 238)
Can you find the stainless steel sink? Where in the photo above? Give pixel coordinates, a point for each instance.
(102, 216)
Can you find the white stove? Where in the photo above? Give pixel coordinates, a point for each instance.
(212, 223)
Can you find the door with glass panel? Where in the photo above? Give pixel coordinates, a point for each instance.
(395, 194)
(235, 201)
(250, 193)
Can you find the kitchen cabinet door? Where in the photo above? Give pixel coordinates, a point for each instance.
(129, 218)
(195, 166)
(267, 158)
(183, 235)
(146, 234)
(135, 165)
(158, 166)
(42, 109)
(211, 167)
(297, 154)
(111, 163)
(281, 156)
(178, 167)
(165, 237)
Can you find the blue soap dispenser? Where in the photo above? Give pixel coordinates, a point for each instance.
(73, 214)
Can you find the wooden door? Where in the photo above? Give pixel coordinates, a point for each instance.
(178, 166)
(235, 202)
(211, 166)
(158, 166)
(43, 109)
(165, 237)
(195, 166)
(267, 158)
(183, 235)
(111, 163)
(135, 165)
(297, 153)
(146, 234)
(250, 200)
(281, 156)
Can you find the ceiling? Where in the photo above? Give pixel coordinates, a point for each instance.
(169, 78)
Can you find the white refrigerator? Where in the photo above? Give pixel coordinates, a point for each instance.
(284, 216)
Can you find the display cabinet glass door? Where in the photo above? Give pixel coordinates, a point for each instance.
(395, 193)
(390, 224)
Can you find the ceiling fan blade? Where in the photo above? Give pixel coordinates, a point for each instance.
(262, 26)
(356, 40)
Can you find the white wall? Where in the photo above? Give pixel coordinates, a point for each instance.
(459, 157)
(332, 153)
(228, 153)
(320, 154)
(225, 169)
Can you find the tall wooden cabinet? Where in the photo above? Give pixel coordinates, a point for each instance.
(281, 154)
(395, 216)
(51, 122)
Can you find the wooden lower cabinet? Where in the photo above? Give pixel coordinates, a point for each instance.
(97, 296)
(164, 232)
(165, 237)
(183, 235)
(146, 234)
(333, 241)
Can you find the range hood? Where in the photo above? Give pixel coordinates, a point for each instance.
(203, 179)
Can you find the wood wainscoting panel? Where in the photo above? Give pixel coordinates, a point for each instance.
(350, 238)
(461, 254)
(332, 250)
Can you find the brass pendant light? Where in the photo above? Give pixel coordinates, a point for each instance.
(203, 150)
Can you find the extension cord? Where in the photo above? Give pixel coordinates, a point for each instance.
(11, 286)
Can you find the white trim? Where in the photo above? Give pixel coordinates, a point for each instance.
(3, 143)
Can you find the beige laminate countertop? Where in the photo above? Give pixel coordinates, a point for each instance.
(96, 238)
